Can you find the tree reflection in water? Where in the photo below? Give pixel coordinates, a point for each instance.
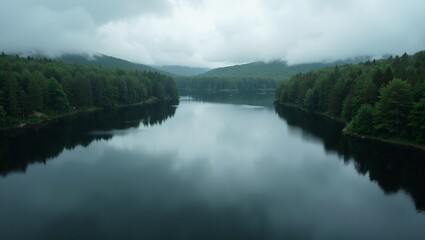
(37, 144)
(392, 167)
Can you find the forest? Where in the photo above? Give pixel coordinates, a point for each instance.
(216, 84)
(255, 76)
(383, 99)
(35, 89)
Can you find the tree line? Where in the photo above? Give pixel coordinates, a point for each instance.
(215, 84)
(36, 88)
(383, 98)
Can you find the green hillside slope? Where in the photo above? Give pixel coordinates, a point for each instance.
(183, 70)
(277, 70)
(383, 99)
(106, 61)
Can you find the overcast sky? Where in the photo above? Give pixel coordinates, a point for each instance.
(214, 33)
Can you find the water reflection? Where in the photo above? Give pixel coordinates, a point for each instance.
(248, 98)
(20, 147)
(394, 168)
(212, 171)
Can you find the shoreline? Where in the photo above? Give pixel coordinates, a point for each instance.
(41, 120)
(396, 142)
(399, 143)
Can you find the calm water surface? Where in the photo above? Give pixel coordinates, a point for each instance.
(232, 167)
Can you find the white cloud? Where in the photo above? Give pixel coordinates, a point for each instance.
(215, 32)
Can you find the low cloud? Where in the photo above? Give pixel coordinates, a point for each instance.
(214, 33)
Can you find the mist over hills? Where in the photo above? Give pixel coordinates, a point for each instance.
(113, 62)
(183, 70)
(278, 70)
(106, 61)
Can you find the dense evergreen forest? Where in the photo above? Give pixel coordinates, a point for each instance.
(379, 98)
(278, 70)
(101, 60)
(267, 70)
(36, 89)
(183, 70)
(251, 76)
(216, 84)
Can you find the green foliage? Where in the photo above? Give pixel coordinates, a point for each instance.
(393, 107)
(215, 84)
(2, 111)
(183, 71)
(35, 95)
(309, 100)
(417, 120)
(276, 70)
(347, 107)
(57, 97)
(11, 89)
(159, 91)
(256, 76)
(2, 116)
(365, 92)
(107, 61)
(362, 122)
(341, 92)
(82, 89)
(29, 85)
(335, 99)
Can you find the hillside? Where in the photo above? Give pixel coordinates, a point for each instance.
(183, 70)
(277, 70)
(383, 99)
(33, 90)
(107, 61)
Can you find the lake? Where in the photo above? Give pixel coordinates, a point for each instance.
(217, 166)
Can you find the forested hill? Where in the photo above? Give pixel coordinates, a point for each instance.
(32, 89)
(257, 76)
(277, 70)
(218, 84)
(383, 99)
(272, 70)
(107, 61)
(182, 70)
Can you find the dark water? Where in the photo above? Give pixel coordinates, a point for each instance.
(231, 167)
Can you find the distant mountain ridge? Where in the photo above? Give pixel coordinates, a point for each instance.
(183, 70)
(113, 62)
(101, 60)
(278, 70)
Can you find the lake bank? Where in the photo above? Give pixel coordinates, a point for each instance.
(41, 118)
(399, 142)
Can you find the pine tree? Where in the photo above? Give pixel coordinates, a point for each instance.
(417, 120)
(362, 122)
(35, 95)
(58, 99)
(2, 111)
(393, 107)
(309, 100)
(82, 90)
(12, 89)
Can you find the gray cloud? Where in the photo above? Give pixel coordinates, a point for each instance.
(100, 10)
(214, 32)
